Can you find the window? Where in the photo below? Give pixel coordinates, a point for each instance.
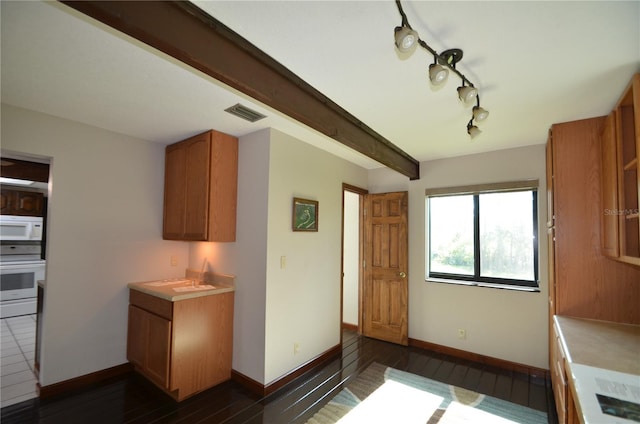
(484, 235)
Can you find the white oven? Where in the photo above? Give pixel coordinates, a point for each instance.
(19, 287)
(21, 228)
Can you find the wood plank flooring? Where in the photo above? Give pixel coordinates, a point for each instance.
(131, 399)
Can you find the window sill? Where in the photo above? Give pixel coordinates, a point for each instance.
(480, 284)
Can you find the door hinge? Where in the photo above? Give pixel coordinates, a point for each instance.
(364, 264)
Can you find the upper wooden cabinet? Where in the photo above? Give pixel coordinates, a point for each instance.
(201, 179)
(21, 202)
(621, 179)
(610, 235)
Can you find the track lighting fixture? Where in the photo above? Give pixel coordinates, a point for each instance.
(406, 40)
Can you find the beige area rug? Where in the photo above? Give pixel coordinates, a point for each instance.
(382, 394)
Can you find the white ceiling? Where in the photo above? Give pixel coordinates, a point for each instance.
(535, 63)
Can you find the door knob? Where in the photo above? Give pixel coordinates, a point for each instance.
(402, 274)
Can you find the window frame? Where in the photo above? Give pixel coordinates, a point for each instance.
(477, 279)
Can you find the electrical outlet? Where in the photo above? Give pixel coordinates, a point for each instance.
(296, 348)
(462, 333)
(174, 260)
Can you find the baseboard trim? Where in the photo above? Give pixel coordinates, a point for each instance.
(482, 359)
(83, 381)
(350, 327)
(265, 390)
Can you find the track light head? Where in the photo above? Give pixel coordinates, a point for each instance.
(406, 39)
(438, 74)
(472, 130)
(467, 93)
(480, 114)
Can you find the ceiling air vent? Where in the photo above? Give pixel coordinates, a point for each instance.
(245, 113)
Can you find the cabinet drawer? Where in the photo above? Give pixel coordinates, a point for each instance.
(155, 305)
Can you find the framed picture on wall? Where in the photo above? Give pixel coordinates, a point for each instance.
(305, 215)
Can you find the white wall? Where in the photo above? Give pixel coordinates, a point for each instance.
(246, 257)
(303, 299)
(104, 231)
(351, 257)
(503, 324)
(279, 307)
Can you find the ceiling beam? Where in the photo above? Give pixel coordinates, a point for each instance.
(185, 32)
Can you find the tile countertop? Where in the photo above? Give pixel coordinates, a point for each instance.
(175, 289)
(600, 356)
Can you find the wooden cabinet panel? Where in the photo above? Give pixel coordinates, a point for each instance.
(174, 198)
(148, 344)
(197, 180)
(203, 342)
(20, 202)
(628, 151)
(558, 377)
(158, 351)
(201, 188)
(187, 353)
(549, 156)
(610, 236)
(153, 304)
(136, 340)
(587, 284)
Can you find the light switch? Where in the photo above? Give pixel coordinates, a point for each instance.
(283, 262)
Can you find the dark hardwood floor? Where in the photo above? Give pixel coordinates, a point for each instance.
(131, 399)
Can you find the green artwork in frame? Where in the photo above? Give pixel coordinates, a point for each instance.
(305, 215)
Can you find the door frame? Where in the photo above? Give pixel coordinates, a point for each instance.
(360, 192)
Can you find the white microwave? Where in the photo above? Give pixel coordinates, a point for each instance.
(19, 228)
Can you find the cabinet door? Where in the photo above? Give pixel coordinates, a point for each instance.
(186, 198)
(158, 349)
(609, 223)
(28, 203)
(197, 180)
(6, 202)
(149, 344)
(174, 192)
(136, 336)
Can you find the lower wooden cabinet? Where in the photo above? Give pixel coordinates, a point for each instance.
(183, 347)
(559, 377)
(565, 406)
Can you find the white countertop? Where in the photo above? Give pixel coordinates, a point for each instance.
(603, 367)
(175, 289)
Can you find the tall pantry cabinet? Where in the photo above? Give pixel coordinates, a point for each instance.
(586, 284)
(583, 283)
